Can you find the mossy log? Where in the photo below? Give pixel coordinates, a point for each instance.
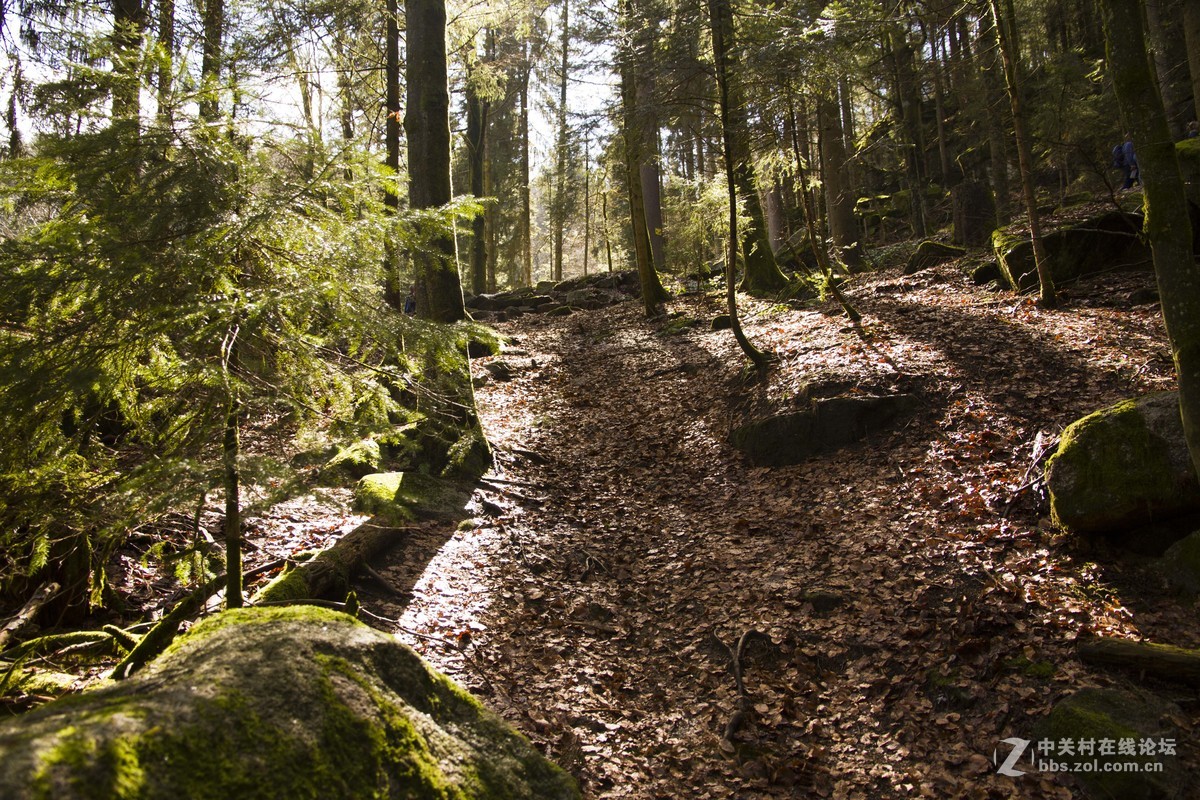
(281, 703)
(1160, 660)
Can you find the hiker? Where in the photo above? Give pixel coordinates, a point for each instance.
(1125, 159)
(410, 302)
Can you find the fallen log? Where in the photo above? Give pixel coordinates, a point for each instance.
(1160, 660)
(394, 498)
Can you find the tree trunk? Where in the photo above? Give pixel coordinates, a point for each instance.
(762, 273)
(991, 70)
(128, 21)
(393, 294)
(211, 61)
(1162, 67)
(1167, 225)
(477, 121)
(1191, 38)
(559, 205)
(231, 455)
(839, 201)
(427, 125)
(526, 207)
(653, 293)
(165, 88)
(1011, 59)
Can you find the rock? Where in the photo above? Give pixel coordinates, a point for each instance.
(404, 496)
(275, 703)
(561, 311)
(1181, 564)
(986, 273)
(483, 347)
(1108, 242)
(1144, 296)
(828, 425)
(721, 322)
(1123, 466)
(499, 370)
(1102, 715)
(545, 286)
(929, 254)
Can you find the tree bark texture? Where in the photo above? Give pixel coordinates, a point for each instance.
(427, 126)
(1167, 225)
(1011, 58)
(762, 273)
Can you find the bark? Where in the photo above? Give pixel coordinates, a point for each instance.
(653, 293)
(649, 172)
(839, 199)
(1011, 58)
(908, 110)
(1160, 660)
(211, 60)
(762, 273)
(165, 87)
(231, 455)
(1191, 38)
(477, 122)
(1162, 67)
(526, 208)
(16, 627)
(393, 293)
(560, 191)
(992, 70)
(427, 125)
(128, 22)
(1167, 225)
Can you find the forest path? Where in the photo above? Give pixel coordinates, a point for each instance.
(623, 547)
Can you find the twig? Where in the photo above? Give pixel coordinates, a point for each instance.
(512, 492)
(24, 618)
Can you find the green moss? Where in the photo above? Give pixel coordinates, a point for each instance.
(290, 703)
(1110, 466)
(1042, 670)
(403, 496)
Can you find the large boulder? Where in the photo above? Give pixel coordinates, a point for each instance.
(1108, 242)
(404, 496)
(290, 702)
(1123, 467)
(828, 425)
(929, 254)
(1121, 729)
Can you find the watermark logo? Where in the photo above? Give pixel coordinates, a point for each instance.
(1083, 754)
(1014, 755)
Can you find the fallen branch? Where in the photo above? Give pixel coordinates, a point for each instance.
(24, 618)
(739, 715)
(1160, 660)
(55, 643)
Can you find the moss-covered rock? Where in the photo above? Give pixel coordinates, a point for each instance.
(1108, 242)
(929, 254)
(285, 703)
(1122, 719)
(404, 496)
(1122, 467)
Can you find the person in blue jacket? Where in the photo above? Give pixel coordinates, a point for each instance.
(1129, 164)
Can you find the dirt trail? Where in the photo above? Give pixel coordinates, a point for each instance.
(624, 548)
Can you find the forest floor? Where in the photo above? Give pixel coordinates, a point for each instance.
(912, 602)
(904, 604)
